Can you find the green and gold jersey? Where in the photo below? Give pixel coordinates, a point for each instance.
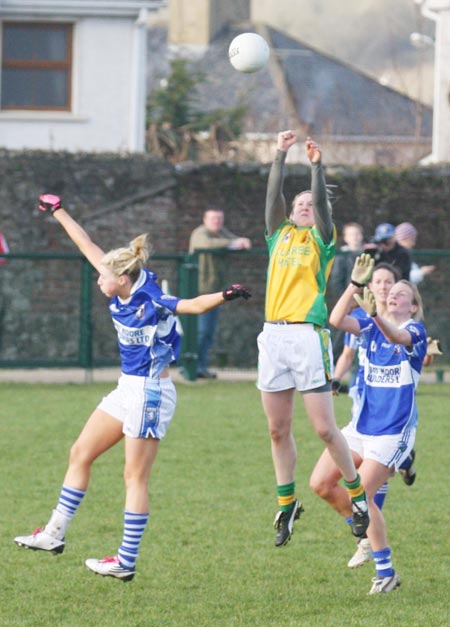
(299, 266)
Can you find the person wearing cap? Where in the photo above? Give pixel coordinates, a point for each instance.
(406, 236)
(385, 248)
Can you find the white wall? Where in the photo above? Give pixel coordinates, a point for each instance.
(107, 66)
(441, 115)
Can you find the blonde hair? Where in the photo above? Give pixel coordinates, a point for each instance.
(417, 299)
(129, 261)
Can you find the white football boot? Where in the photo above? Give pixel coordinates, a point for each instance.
(362, 555)
(384, 584)
(40, 540)
(110, 567)
(49, 538)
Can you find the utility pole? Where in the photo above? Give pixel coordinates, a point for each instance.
(439, 12)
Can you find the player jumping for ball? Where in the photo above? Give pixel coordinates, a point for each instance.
(382, 431)
(294, 346)
(141, 407)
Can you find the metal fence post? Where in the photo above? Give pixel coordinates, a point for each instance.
(85, 342)
(188, 288)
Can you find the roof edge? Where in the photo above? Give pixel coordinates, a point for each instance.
(120, 8)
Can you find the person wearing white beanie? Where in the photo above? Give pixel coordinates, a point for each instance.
(406, 236)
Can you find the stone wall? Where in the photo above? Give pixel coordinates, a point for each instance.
(117, 197)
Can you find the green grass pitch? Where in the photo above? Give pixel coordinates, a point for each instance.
(207, 557)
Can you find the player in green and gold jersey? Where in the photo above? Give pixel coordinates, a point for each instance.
(294, 346)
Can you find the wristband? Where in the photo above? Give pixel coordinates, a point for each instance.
(356, 284)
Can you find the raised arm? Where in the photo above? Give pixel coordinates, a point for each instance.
(275, 211)
(390, 331)
(321, 208)
(339, 317)
(52, 204)
(361, 274)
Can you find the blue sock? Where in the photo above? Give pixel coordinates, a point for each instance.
(69, 501)
(381, 495)
(383, 562)
(133, 530)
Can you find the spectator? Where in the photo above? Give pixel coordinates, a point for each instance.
(385, 248)
(353, 237)
(406, 236)
(211, 270)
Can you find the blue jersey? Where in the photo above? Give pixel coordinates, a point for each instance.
(391, 374)
(145, 325)
(356, 343)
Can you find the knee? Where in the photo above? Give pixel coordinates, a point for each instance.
(279, 433)
(326, 433)
(133, 477)
(322, 486)
(370, 495)
(128, 476)
(78, 456)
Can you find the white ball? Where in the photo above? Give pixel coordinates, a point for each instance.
(248, 52)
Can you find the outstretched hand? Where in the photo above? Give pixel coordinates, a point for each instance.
(236, 291)
(49, 202)
(362, 270)
(433, 346)
(286, 139)
(367, 302)
(313, 151)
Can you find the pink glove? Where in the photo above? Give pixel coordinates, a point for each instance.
(49, 202)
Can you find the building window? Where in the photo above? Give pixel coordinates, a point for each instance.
(36, 66)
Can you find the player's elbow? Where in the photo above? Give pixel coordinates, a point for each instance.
(335, 319)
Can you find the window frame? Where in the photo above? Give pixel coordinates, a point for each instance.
(31, 64)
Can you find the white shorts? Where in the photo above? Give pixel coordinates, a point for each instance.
(389, 450)
(293, 356)
(356, 398)
(144, 406)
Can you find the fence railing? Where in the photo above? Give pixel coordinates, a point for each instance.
(52, 314)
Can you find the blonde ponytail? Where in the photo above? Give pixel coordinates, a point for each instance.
(131, 260)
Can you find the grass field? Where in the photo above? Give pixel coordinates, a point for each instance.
(207, 557)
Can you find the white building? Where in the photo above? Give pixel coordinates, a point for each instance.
(73, 74)
(439, 12)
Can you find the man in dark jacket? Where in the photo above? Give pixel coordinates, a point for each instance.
(385, 248)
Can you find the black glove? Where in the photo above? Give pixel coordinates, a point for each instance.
(335, 386)
(236, 291)
(50, 203)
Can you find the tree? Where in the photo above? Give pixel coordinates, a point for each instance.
(177, 130)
